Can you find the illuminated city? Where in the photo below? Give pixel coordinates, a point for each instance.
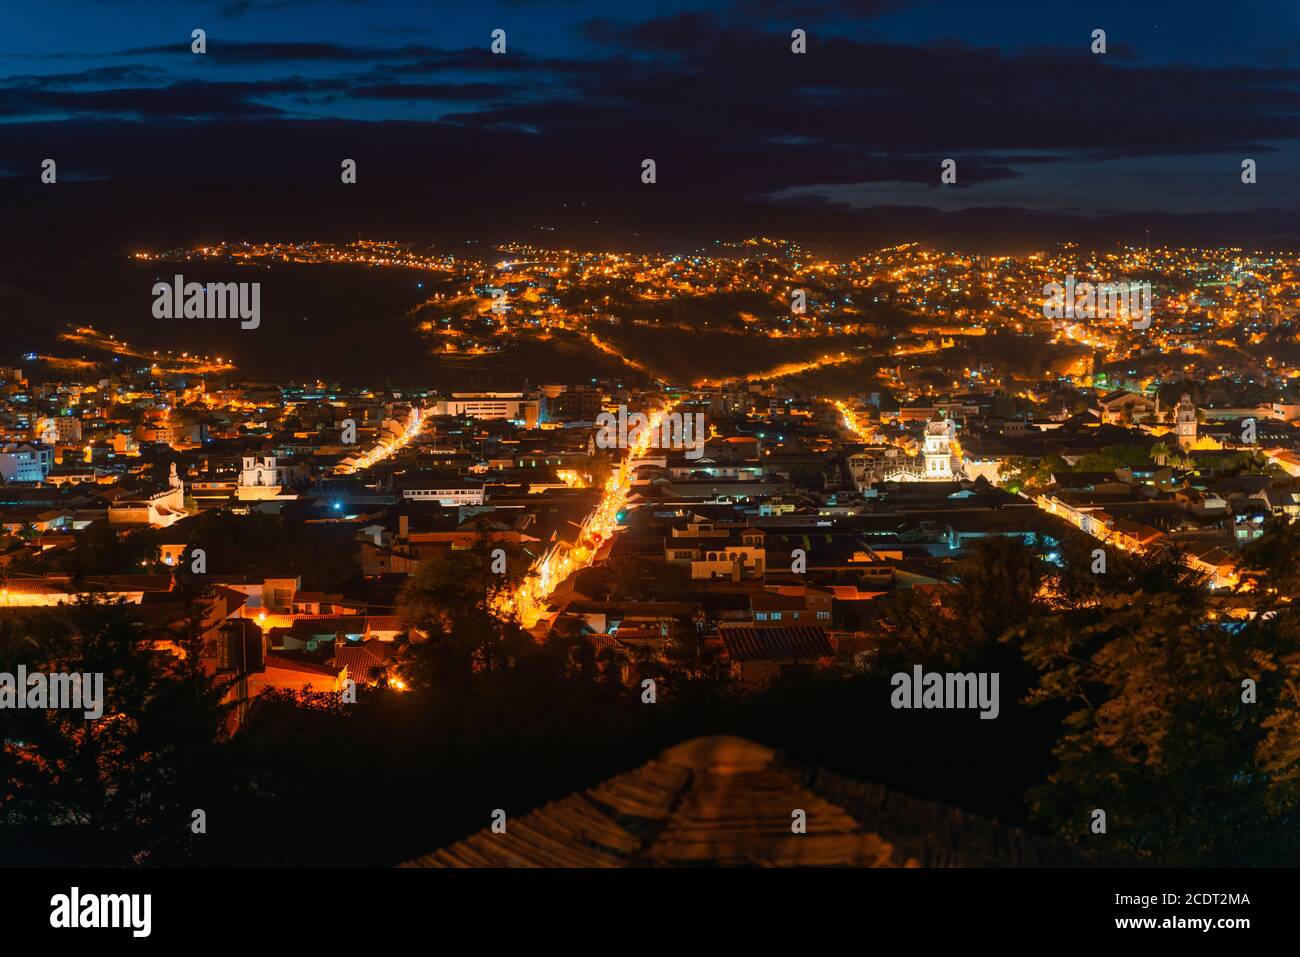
(696, 436)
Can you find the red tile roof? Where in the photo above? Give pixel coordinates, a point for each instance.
(361, 660)
(801, 642)
(292, 664)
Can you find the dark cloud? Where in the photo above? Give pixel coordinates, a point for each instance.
(473, 61)
(186, 100)
(735, 95)
(673, 35)
(244, 52)
(453, 92)
(731, 116)
(806, 11)
(275, 177)
(98, 76)
(233, 9)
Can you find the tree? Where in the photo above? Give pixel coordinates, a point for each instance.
(994, 588)
(1159, 733)
(462, 609)
(325, 556)
(1024, 474)
(1172, 456)
(133, 774)
(102, 549)
(642, 579)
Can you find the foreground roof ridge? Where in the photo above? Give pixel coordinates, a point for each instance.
(722, 800)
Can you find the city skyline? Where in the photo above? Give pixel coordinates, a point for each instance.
(550, 434)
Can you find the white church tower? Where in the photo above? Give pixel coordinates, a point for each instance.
(259, 479)
(939, 436)
(1185, 421)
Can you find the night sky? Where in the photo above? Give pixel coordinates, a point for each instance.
(839, 146)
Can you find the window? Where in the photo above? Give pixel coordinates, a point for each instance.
(760, 616)
(776, 616)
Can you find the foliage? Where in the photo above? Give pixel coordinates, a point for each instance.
(1120, 690)
(640, 579)
(1159, 734)
(135, 773)
(324, 555)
